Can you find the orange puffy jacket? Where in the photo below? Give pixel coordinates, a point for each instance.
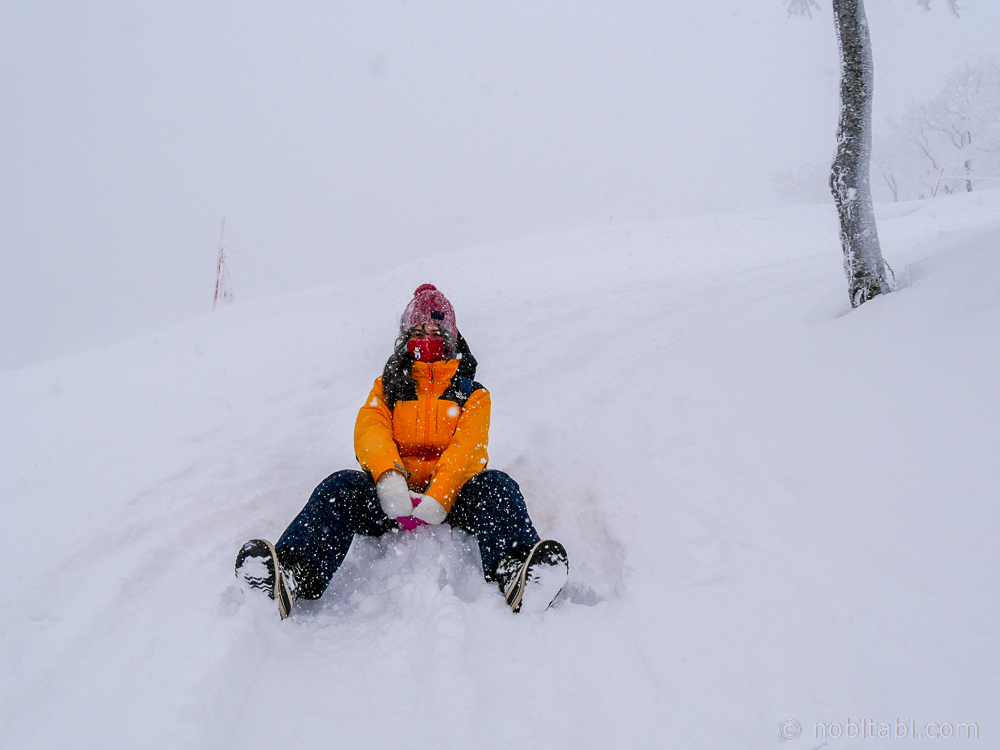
(437, 442)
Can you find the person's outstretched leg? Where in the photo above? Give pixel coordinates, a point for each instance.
(491, 508)
(316, 542)
(529, 571)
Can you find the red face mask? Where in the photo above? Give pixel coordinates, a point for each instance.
(426, 350)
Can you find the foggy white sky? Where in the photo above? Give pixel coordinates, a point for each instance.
(340, 138)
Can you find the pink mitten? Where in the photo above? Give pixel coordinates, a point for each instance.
(408, 523)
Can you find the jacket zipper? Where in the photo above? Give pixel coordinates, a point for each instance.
(427, 408)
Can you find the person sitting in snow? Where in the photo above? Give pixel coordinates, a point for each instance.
(421, 440)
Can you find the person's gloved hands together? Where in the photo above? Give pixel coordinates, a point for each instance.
(429, 510)
(394, 495)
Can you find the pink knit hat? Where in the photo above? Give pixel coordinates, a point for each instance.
(429, 306)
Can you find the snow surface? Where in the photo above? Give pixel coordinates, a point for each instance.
(775, 508)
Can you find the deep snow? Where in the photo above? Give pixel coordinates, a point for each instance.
(776, 508)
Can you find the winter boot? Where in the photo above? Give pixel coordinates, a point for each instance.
(257, 567)
(531, 579)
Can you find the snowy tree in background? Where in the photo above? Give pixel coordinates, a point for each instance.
(948, 142)
(910, 160)
(850, 172)
(908, 169)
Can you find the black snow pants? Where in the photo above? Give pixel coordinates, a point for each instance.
(489, 506)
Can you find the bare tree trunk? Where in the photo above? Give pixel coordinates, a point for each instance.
(850, 172)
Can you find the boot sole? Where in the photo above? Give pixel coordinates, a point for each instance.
(274, 583)
(540, 579)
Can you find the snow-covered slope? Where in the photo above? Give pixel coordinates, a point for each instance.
(775, 508)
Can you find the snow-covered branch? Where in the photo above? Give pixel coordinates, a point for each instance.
(801, 7)
(952, 6)
(950, 141)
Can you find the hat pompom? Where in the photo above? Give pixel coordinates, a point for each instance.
(425, 288)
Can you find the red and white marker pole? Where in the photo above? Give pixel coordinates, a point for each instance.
(938, 183)
(223, 287)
